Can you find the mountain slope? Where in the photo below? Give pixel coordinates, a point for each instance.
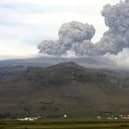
(65, 87)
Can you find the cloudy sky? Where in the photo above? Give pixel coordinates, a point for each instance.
(25, 23)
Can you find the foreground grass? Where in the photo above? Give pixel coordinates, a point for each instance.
(65, 124)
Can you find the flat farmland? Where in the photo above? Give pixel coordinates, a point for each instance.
(64, 124)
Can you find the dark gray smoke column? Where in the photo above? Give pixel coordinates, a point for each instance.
(73, 36)
(75, 32)
(76, 36)
(117, 37)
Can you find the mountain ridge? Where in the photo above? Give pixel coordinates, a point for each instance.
(60, 88)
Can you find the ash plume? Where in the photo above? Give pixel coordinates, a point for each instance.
(72, 37)
(117, 37)
(75, 32)
(76, 37)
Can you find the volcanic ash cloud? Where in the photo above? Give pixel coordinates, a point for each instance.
(76, 37)
(73, 36)
(117, 37)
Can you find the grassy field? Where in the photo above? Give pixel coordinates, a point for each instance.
(64, 124)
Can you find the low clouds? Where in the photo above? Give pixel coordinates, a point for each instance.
(121, 59)
(76, 37)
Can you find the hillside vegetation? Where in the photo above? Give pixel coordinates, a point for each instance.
(62, 88)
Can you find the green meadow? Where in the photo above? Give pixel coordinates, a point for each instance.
(65, 124)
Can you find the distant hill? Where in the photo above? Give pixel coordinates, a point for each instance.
(98, 62)
(64, 87)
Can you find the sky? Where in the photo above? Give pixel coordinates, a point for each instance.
(25, 23)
